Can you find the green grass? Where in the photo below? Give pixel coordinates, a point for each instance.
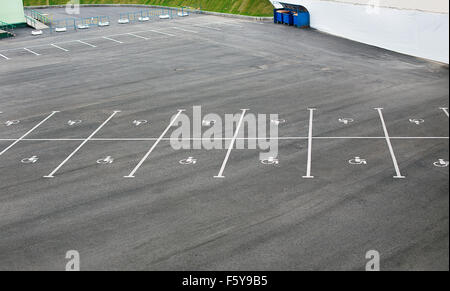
(244, 7)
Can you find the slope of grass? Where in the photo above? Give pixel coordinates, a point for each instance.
(244, 7)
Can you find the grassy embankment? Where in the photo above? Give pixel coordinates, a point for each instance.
(244, 7)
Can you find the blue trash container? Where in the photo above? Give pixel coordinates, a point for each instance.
(301, 19)
(288, 18)
(278, 15)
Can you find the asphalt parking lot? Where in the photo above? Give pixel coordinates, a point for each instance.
(69, 138)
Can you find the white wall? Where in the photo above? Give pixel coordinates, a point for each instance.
(410, 31)
(439, 6)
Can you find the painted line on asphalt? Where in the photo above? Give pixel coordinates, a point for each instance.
(52, 174)
(30, 51)
(26, 134)
(208, 27)
(164, 33)
(185, 30)
(5, 57)
(310, 140)
(111, 39)
(86, 43)
(141, 162)
(58, 47)
(230, 148)
(391, 149)
(138, 36)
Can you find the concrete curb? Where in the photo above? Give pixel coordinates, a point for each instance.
(244, 17)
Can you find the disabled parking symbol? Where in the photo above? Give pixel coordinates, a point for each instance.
(346, 121)
(417, 121)
(12, 122)
(74, 122)
(357, 161)
(140, 122)
(188, 161)
(105, 161)
(441, 163)
(30, 160)
(270, 161)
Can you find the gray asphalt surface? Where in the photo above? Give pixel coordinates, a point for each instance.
(260, 217)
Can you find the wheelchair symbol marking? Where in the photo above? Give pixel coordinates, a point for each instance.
(270, 161)
(441, 163)
(346, 121)
(140, 122)
(104, 161)
(30, 160)
(357, 161)
(417, 121)
(12, 122)
(188, 161)
(73, 122)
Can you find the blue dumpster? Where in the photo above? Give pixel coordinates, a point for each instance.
(301, 19)
(288, 18)
(278, 15)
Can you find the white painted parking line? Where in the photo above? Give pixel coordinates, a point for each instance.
(227, 23)
(310, 140)
(26, 134)
(138, 36)
(5, 57)
(52, 174)
(30, 51)
(58, 47)
(160, 32)
(86, 43)
(141, 162)
(185, 30)
(391, 149)
(445, 109)
(208, 27)
(286, 138)
(111, 39)
(230, 148)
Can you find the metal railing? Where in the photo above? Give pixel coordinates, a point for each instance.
(9, 28)
(39, 17)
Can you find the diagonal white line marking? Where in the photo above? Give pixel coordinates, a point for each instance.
(111, 39)
(310, 139)
(209, 27)
(230, 148)
(58, 47)
(5, 57)
(164, 33)
(30, 51)
(445, 109)
(138, 36)
(391, 149)
(86, 43)
(26, 134)
(141, 162)
(186, 30)
(52, 174)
